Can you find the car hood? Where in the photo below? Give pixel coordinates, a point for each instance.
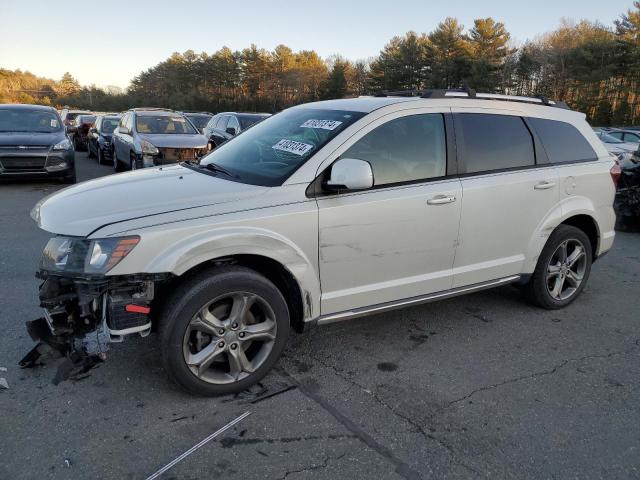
(81, 209)
(176, 140)
(22, 138)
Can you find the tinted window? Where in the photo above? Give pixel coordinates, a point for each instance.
(493, 142)
(617, 135)
(563, 142)
(247, 120)
(631, 137)
(405, 149)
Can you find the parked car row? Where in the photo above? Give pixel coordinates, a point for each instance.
(145, 137)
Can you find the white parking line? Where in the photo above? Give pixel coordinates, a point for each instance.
(197, 446)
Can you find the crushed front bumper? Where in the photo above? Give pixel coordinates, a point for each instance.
(83, 315)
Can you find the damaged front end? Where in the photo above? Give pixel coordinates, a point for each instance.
(627, 202)
(84, 309)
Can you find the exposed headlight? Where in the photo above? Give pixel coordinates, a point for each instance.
(148, 148)
(81, 255)
(63, 145)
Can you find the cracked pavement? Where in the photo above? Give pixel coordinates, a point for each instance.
(482, 386)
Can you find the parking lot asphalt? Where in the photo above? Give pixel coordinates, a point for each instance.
(474, 387)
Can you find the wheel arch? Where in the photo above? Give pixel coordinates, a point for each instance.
(272, 270)
(589, 226)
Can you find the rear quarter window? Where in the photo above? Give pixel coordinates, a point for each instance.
(489, 142)
(562, 141)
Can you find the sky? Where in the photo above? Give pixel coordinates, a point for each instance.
(109, 42)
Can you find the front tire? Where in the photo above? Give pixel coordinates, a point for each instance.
(116, 163)
(563, 269)
(223, 330)
(100, 156)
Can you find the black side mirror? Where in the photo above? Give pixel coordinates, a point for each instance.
(93, 130)
(231, 131)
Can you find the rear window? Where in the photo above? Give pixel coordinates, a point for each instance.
(493, 142)
(562, 141)
(247, 120)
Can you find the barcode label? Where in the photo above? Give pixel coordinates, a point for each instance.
(324, 124)
(291, 146)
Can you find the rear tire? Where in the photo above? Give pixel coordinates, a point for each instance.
(563, 269)
(89, 152)
(204, 360)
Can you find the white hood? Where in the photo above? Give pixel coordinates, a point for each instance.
(85, 207)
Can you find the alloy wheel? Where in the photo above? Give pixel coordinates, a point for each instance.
(566, 269)
(229, 338)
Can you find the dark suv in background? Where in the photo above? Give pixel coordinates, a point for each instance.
(153, 136)
(227, 125)
(33, 143)
(99, 139)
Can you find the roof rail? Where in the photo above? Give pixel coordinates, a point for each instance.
(470, 93)
(138, 109)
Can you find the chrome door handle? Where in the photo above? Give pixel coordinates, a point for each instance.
(441, 199)
(545, 185)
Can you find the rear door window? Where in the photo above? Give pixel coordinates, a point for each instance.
(562, 141)
(493, 142)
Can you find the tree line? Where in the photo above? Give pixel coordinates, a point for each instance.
(593, 67)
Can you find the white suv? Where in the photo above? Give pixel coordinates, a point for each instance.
(325, 212)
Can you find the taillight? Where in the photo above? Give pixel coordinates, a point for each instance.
(615, 172)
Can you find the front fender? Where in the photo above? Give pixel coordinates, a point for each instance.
(201, 247)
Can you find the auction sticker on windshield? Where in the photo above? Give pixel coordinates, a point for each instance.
(323, 124)
(291, 146)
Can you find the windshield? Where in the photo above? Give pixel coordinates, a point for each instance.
(269, 152)
(33, 121)
(606, 138)
(200, 121)
(109, 124)
(247, 120)
(163, 125)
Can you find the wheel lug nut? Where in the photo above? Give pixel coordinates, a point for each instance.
(221, 331)
(241, 334)
(233, 346)
(220, 344)
(234, 325)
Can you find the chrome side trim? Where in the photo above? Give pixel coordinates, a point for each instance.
(384, 307)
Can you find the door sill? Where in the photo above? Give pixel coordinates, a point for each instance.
(406, 302)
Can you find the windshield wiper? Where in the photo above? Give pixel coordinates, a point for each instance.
(217, 168)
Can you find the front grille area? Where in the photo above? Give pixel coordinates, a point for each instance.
(172, 155)
(23, 164)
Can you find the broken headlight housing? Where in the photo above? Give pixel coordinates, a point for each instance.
(84, 256)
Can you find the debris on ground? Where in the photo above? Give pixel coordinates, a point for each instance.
(3, 383)
(67, 463)
(3, 369)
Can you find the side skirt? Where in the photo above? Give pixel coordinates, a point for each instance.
(407, 302)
